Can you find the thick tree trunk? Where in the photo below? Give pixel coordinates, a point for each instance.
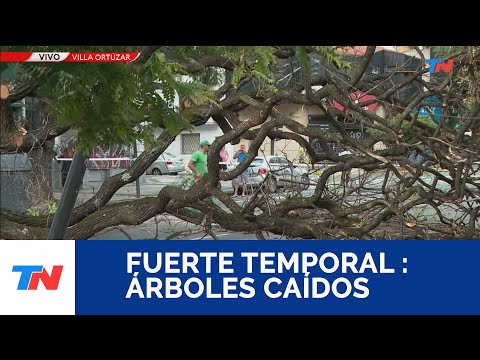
(7, 125)
(41, 183)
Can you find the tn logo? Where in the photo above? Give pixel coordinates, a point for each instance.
(31, 275)
(437, 64)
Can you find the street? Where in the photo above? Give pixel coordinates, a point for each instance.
(168, 225)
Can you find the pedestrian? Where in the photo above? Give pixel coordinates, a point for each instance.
(198, 162)
(345, 177)
(66, 153)
(224, 155)
(240, 155)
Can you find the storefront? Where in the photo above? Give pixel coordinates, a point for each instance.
(349, 124)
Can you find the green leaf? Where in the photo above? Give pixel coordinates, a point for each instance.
(304, 59)
(172, 125)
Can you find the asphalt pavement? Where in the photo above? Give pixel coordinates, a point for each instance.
(169, 225)
(165, 225)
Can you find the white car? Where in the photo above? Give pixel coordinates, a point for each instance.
(282, 173)
(166, 164)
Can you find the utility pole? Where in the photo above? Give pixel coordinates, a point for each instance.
(137, 182)
(68, 199)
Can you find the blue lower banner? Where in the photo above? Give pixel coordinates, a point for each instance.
(277, 277)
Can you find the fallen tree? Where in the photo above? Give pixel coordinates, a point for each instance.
(360, 196)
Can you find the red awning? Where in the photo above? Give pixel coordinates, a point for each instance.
(358, 97)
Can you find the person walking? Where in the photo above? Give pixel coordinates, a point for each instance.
(240, 155)
(198, 162)
(66, 153)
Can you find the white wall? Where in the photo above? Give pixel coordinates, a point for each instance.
(208, 131)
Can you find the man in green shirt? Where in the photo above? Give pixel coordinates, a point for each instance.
(198, 162)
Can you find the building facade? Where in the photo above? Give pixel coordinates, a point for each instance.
(188, 142)
(385, 59)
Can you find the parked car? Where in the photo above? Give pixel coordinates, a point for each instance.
(166, 164)
(281, 170)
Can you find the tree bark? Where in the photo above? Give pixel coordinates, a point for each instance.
(40, 190)
(41, 183)
(7, 125)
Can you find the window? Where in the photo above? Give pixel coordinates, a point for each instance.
(282, 161)
(257, 161)
(190, 143)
